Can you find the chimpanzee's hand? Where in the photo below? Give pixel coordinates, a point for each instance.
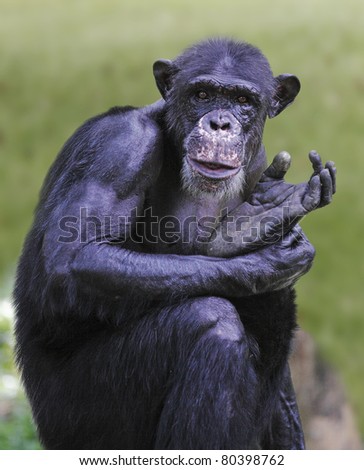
(289, 259)
(273, 208)
(280, 265)
(272, 193)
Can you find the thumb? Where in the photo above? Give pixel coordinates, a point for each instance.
(279, 167)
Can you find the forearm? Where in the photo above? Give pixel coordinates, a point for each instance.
(111, 271)
(115, 271)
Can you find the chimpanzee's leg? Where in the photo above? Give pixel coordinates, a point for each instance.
(211, 396)
(179, 377)
(286, 428)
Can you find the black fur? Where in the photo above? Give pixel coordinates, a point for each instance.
(154, 345)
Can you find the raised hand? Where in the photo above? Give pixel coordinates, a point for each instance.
(273, 192)
(273, 208)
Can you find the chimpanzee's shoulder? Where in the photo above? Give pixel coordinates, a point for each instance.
(124, 143)
(142, 117)
(122, 131)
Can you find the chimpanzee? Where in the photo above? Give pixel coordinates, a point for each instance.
(154, 295)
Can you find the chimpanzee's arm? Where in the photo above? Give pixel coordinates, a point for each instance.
(96, 186)
(116, 271)
(273, 208)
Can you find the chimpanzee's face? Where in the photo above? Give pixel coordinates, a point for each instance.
(223, 125)
(218, 96)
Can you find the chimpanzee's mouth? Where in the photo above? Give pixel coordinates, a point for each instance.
(214, 170)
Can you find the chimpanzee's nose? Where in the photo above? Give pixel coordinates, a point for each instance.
(220, 121)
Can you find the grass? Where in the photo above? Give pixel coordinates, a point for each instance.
(62, 62)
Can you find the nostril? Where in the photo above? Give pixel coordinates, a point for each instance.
(224, 126)
(214, 126)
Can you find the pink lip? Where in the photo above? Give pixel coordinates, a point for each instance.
(213, 170)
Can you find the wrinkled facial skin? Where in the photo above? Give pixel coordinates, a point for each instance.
(218, 148)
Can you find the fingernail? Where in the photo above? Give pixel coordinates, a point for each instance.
(284, 159)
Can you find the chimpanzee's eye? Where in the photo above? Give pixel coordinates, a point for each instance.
(202, 95)
(243, 99)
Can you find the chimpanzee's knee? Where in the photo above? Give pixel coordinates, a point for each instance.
(213, 317)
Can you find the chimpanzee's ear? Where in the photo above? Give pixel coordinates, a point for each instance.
(286, 89)
(163, 71)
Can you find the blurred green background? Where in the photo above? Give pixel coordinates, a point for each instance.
(64, 61)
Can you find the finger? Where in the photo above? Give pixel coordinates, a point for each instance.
(326, 187)
(312, 198)
(316, 162)
(292, 237)
(332, 169)
(279, 167)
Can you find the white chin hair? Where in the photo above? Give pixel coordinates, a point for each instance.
(198, 185)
